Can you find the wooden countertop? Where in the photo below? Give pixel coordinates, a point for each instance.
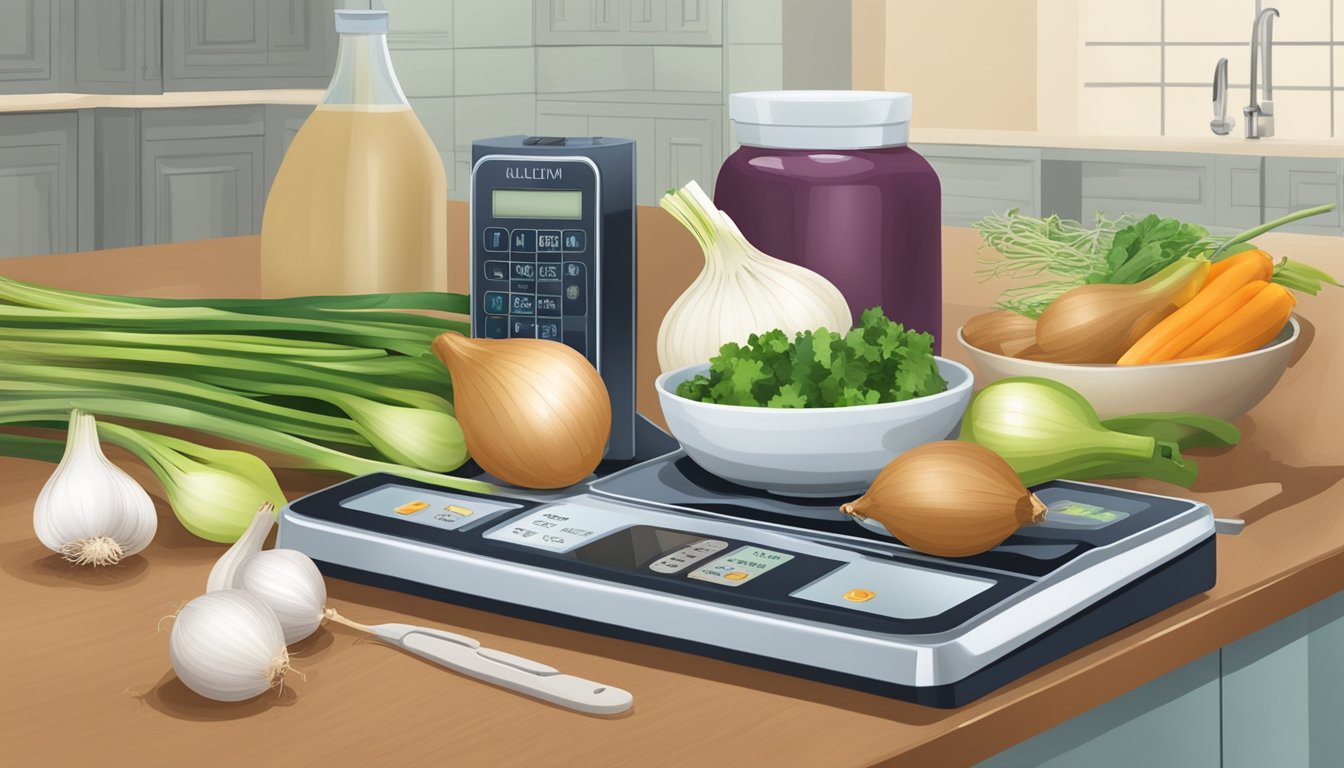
(56, 102)
(86, 675)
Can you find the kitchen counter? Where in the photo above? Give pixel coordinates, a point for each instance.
(56, 102)
(87, 678)
(1232, 144)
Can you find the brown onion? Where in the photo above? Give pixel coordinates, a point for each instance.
(949, 498)
(534, 412)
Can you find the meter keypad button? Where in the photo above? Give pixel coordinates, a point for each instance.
(496, 239)
(496, 270)
(522, 329)
(522, 304)
(548, 329)
(496, 327)
(523, 286)
(575, 291)
(548, 241)
(523, 241)
(575, 240)
(548, 272)
(548, 306)
(522, 270)
(496, 303)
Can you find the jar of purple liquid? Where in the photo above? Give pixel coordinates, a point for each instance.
(824, 179)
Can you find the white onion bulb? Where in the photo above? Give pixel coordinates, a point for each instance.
(290, 584)
(228, 646)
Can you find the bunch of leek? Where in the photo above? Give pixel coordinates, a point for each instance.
(338, 383)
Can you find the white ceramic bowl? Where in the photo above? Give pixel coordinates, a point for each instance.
(809, 451)
(1226, 387)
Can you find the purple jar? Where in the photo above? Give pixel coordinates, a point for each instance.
(824, 179)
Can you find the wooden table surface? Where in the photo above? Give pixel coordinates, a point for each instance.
(86, 678)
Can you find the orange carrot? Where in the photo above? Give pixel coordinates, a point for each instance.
(1255, 323)
(1260, 257)
(1178, 330)
(1171, 345)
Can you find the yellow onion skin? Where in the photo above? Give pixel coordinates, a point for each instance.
(534, 413)
(949, 498)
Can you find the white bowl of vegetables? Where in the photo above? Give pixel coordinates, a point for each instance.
(796, 427)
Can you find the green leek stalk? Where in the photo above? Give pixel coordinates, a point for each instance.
(309, 455)
(1047, 431)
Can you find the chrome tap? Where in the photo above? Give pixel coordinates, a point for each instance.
(1220, 124)
(1260, 116)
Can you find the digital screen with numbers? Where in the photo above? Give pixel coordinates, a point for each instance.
(537, 204)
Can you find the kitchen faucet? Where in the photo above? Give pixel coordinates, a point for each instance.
(1260, 116)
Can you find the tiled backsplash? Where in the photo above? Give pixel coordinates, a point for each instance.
(1146, 66)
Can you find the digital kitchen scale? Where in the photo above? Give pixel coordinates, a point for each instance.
(667, 554)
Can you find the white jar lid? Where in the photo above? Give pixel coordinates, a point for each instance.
(821, 119)
(362, 22)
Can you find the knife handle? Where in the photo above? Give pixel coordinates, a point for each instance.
(518, 674)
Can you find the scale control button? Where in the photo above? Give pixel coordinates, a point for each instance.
(549, 272)
(496, 303)
(459, 510)
(576, 240)
(522, 329)
(496, 239)
(737, 576)
(523, 241)
(496, 327)
(411, 508)
(548, 241)
(496, 270)
(740, 566)
(860, 595)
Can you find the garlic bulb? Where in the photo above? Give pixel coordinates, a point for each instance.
(90, 511)
(225, 574)
(228, 646)
(740, 291)
(290, 584)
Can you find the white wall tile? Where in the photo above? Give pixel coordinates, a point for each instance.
(688, 68)
(565, 69)
(1223, 21)
(1189, 111)
(1300, 20)
(1194, 64)
(755, 67)
(424, 72)
(492, 23)
(1338, 36)
(482, 71)
(1125, 20)
(753, 21)
(1339, 115)
(418, 16)
(1300, 65)
(1120, 64)
(1302, 114)
(436, 114)
(1339, 63)
(481, 117)
(1119, 112)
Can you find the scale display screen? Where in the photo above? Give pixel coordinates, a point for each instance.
(536, 204)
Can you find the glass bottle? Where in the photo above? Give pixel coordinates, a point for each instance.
(359, 204)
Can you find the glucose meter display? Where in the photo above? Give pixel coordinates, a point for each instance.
(536, 204)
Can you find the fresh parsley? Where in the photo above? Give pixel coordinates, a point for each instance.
(878, 362)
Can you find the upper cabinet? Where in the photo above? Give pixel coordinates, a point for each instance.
(225, 44)
(28, 51)
(115, 48)
(629, 22)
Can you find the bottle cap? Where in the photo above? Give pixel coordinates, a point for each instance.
(821, 119)
(361, 22)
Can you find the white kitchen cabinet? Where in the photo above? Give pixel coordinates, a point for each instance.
(38, 183)
(1173, 184)
(111, 46)
(1238, 202)
(1294, 183)
(629, 22)
(202, 172)
(978, 181)
(220, 44)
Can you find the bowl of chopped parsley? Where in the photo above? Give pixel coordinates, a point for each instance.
(818, 414)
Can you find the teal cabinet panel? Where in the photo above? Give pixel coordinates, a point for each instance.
(29, 59)
(1171, 722)
(1294, 183)
(1325, 682)
(38, 183)
(978, 181)
(1266, 708)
